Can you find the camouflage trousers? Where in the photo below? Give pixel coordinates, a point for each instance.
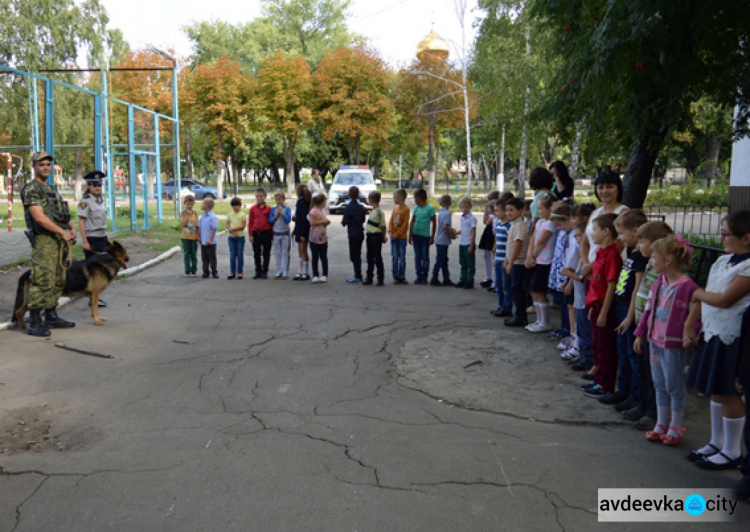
(47, 272)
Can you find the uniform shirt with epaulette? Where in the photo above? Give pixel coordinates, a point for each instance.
(55, 208)
(93, 209)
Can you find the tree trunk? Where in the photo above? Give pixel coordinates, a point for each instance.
(712, 166)
(356, 147)
(431, 152)
(640, 167)
(289, 169)
(219, 166)
(575, 151)
(78, 174)
(351, 150)
(189, 151)
(150, 182)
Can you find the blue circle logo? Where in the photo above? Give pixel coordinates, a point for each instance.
(695, 504)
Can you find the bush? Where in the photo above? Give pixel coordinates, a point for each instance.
(124, 212)
(691, 193)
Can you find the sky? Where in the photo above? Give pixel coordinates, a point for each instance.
(394, 27)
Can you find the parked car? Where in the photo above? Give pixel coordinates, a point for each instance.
(199, 190)
(347, 176)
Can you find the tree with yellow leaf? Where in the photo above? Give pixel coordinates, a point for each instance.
(217, 96)
(284, 103)
(352, 87)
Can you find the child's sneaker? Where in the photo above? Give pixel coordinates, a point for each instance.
(323, 278)
(315, 280)
(532, 325)
(539, 328)
(568, 354)
(566, 343)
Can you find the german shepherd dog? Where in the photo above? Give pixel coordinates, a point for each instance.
(89, 277)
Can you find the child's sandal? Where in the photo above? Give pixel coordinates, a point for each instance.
(666, 439)
(652, 435)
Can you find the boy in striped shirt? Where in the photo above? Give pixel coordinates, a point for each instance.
(501, 226)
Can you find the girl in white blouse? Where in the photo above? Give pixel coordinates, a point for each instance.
(713, 367)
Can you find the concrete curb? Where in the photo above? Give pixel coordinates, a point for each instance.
(121, 275)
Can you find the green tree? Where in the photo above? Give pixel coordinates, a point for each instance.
(636, 67)
(306, 27)
(39, 34)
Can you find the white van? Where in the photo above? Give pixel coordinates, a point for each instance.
(347, 176)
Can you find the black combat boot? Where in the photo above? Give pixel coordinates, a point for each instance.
(36, 325)
(53, 321)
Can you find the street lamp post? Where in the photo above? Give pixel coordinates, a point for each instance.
(176, 125)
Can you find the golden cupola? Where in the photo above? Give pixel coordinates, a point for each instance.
(434, 47)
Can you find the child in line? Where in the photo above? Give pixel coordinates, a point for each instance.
(662, 325)
(445, 233)
(354, 221)
(529, 221)
(560, 217)
(643, 415)
(261, 234)
(422, 234)
(539, 261)
(579, 352)
(280, 217)
(626, 396)
(713, 366)
(398, 227)
(189, 237)
(582, 358)
(518, 243)
(502, 279)
(466, 245)
(600, 302)
(302, 230)
(319, 223)
(208, 225)
(235, 226)
(487, 240)
(376, 237)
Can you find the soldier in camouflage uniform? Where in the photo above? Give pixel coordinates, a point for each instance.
(48, 218)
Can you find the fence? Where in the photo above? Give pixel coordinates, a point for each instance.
(692, 220)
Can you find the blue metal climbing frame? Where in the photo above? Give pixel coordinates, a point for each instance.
(103, 148)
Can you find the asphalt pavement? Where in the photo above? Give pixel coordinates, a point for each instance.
(280, 405)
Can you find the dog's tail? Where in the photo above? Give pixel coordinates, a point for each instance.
(21, 294)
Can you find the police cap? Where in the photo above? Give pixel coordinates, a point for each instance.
(95, 177)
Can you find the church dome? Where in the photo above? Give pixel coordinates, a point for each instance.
(433, 46)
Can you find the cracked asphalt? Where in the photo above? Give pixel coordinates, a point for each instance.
(278, 405)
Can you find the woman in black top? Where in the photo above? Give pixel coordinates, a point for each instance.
(564, 185)
(302, 230)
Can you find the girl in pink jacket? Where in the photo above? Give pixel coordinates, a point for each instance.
(663, 325)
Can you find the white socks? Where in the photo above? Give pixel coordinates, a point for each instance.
(543, 313)
(732, 439)
(305, 267)
(662, 417)
(676, 422)
(717, 430)
(300, 267)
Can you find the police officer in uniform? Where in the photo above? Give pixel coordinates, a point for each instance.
(92, 217)
(48, 218)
